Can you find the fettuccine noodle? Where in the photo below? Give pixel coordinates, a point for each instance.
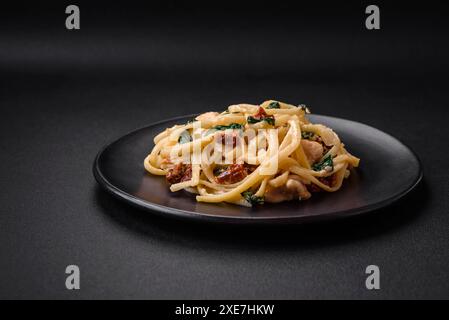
(251, 154)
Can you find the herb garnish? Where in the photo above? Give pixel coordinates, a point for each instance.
(325, 164)
(251, 198)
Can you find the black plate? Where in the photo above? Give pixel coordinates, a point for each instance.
(388, 170)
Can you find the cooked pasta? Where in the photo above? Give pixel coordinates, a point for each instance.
(251, 154)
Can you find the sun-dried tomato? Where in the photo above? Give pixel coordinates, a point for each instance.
(232, 174)
(261, 114)
(187, 173)
(179, 173)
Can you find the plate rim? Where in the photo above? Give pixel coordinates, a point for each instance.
(170, 212)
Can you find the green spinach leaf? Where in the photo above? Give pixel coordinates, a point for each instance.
(324, 164)
(251, 198)
(269, 120)
(234, 126)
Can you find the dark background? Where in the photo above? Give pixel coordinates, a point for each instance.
(64, 94)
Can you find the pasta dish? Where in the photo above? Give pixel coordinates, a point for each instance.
(251, 154)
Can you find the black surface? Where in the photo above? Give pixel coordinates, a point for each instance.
(65, 94)
(390, 170)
